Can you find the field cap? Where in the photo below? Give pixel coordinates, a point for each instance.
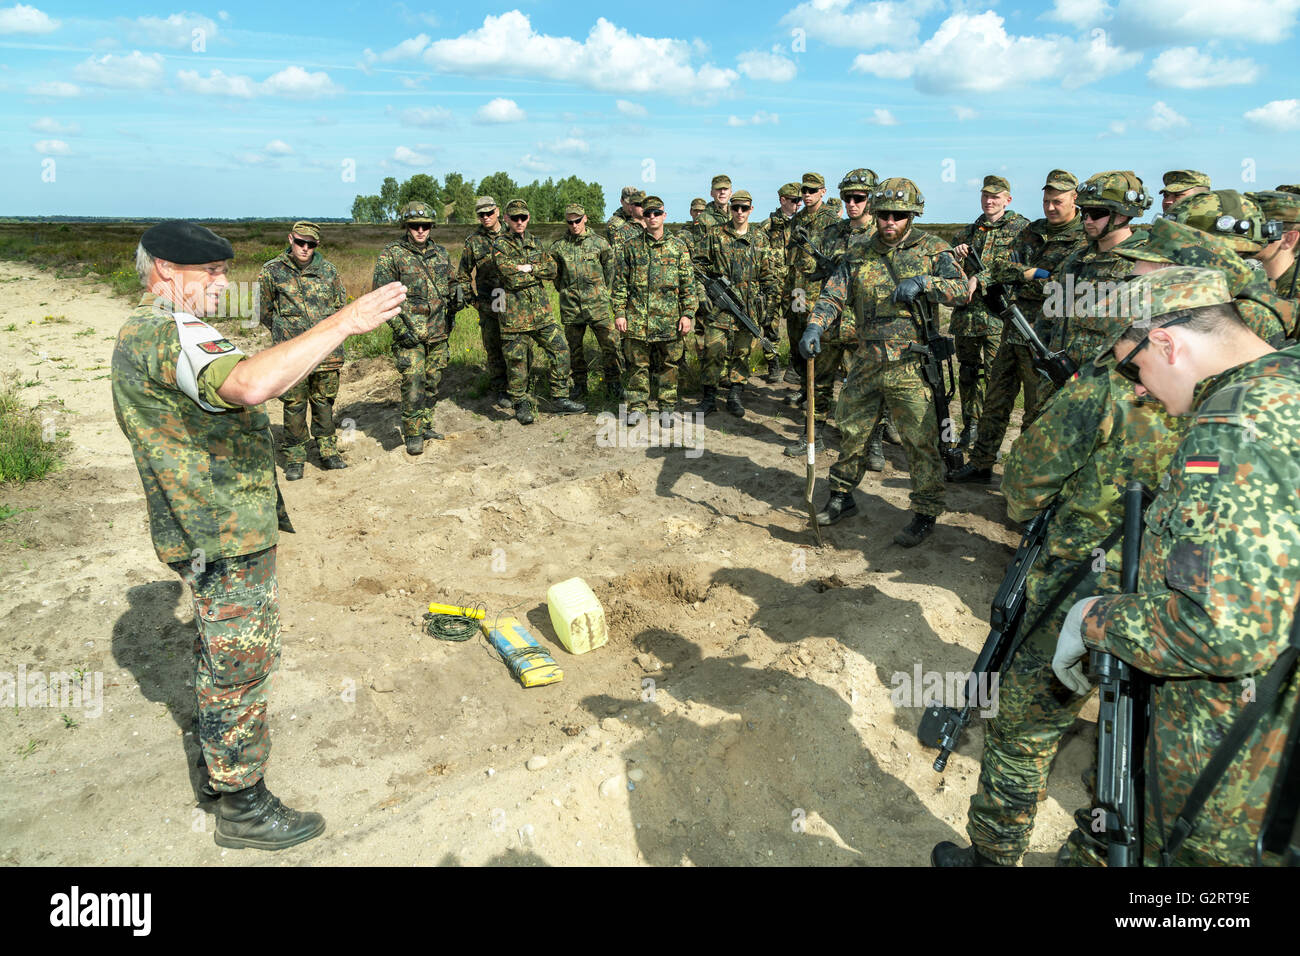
(652, 202)
(573, 209)
(516, 206)
(484, 203)
(813, 180)
(185, 243)
(789, 191)
(995, 185)
(720, 180)
(1062, 180)
(1181, 180)
(308, 230)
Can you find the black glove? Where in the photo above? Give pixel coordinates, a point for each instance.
(909, 289)
(811, 343)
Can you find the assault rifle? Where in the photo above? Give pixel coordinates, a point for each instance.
(1123, 718)
(1057, 366)
(941, 726)
(721, 293)
(825, 264)
(936, 354)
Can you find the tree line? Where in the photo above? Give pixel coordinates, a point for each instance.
(454, 197)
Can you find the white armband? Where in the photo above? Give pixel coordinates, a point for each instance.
(201, 345)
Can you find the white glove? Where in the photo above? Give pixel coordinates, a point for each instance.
(1067, 663)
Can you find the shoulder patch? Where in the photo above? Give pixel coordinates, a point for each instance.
(219, 347)
(1223, 404)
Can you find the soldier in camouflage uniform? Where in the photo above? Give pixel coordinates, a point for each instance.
(801, 289)
(433, 297)
(522, 264)
(738, 253)
(1094, 436)
(777, 227)
(840, 340)
(1219, 576)
(297, 289)
(1279, 256)
(627, 222)
(880, 285)
(975, 328)
(716, 211)
(584, 276)
(654, 298)
(477, 273)
(191, 406)
(1035, 257)
(1181, 183)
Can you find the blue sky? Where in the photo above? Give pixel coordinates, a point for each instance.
(257, 109)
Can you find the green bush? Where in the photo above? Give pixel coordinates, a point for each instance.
(25, 455)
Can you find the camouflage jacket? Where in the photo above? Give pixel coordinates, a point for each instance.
(292, 299)
(1288, 289)
(621, 228)
(777, 227)
(746, 261)
(654, 286)
(714, 215)
(527, 304)
(477, 273)
(1042, 246)
(800, 294)
(865, 282)
(584, 275)
(993, 243)
(208, 476)
(837, 240)
(1219, 580)
(433, 293)
(1084, 281)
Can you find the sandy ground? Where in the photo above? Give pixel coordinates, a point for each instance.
(741, 712)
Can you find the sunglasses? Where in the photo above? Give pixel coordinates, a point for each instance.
(654, 213)
(809, 190)
(521, 217)
(637, 204)
(855, 198)
(1094, 212)
(305, 243)
(490, 212)
(741, 207)
(419, 226)
(892, 216)
(1125, 366)
(573, 222)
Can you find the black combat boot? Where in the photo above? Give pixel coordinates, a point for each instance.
(256, 818)
(578, 392)
(734, 404)
(969, 432)
(567, 406)
(950, 854)
(414, 445)
(524, 413)
(773, 370)
(971, 474)
(891, 432)
(708, 401)
(876, 450)
(799, 446)
(335, 462)
(840, 505)
(293, 471)
(428, 434)
(916, 532)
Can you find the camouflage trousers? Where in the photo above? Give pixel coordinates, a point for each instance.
(876, 387)
(831, 362)
(1012, 368)
(726, 356)
(661, 358)
(611, 351)
(421, 371)
(489, 326)
(320, 388)
(514, 345)
(1034, 712)
(237, 612)
(975, 356)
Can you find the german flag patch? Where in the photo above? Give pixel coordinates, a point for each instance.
(218, 347)
(1201, 466)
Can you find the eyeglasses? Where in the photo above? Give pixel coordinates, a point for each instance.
(856, 198)
(637, 205)
(654, 213)
(1125, 366)
(1094, 212)
(573, 222)
(485, 215)
(419, 226)
(741, 207)
(809, 190)
(521, 217)
(305, 243)
(892, 216)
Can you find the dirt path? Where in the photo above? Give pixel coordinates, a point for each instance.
(771, 737)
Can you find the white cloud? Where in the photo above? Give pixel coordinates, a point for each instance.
(413, 82)
(501, 110)
(628, 108)
(760, 118)
(1164, 118)
(1164, 21)
(293, 82)
(132, 71)
(569, 146)
(409, 157)
(766, 66)
(1187, 68)
(533, 164)
(426, 116)
(217, 83)
(610, 58)
(860, 25)
(250, 159)
(297, 83)
(278, 147)
(403, 51)
(1079, 13)
(24, 19)
(974, 53)
(47, 125)
(1282, 116)
(52, 147)
(883, 118)
(176, 30)
(1118, 128)
(54, 88)
(964, 113)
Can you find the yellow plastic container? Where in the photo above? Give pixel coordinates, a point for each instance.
(577, 616)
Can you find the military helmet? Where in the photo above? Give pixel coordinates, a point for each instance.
(1279, 205)
(1120, 191)
(1228, 214)
(416, 211)
(858, 180)
(897, 195)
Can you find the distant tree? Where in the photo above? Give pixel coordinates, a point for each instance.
(368, 209)
(420, 188)
(388, 193)
(458, 192)
(500, 187)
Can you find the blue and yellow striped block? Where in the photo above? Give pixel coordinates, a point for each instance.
(528, 661)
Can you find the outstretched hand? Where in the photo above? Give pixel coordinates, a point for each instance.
(374, 308)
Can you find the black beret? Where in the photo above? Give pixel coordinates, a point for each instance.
(185, 243)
